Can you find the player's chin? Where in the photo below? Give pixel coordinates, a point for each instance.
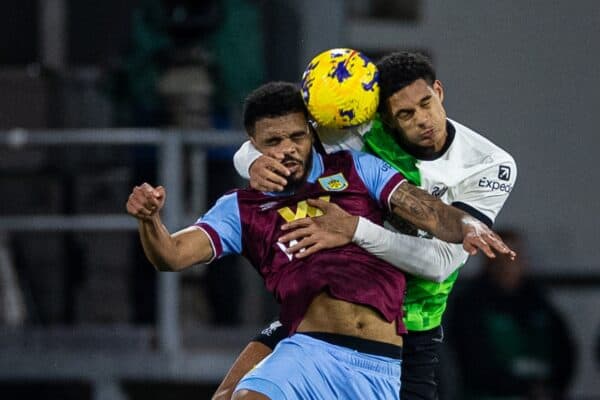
(427, 140)
(296, 178)
(296, 170)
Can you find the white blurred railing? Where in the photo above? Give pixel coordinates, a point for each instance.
(168, 362)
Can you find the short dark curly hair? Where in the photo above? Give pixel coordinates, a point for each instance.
(273, 99)
(400, 69)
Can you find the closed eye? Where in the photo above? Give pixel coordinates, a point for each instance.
(272, 142)
(426, 101)
(404, 114)
(298, 136)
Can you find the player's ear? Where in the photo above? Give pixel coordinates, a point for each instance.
(251, 136)
(439, 89)
(386, 118)
(316, 140)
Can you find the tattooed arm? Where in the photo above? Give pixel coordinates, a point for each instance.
(443, 221)
(427, 212)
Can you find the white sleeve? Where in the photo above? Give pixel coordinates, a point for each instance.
(244, 157)
(431, 259)
(486, 190)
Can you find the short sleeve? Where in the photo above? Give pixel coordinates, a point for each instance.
(244, 157)
(380, 178)
(484, 193)
(222, 225)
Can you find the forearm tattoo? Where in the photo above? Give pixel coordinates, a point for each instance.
(427, 212)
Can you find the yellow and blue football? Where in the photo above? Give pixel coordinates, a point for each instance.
(340, 88)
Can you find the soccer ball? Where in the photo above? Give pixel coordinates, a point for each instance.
(341, 88)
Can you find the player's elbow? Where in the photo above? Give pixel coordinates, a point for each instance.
(162, 266)
(442, 276)
(437, 270)
(167, 264)
(223, 394)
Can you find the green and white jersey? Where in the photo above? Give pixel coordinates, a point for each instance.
(470, 172)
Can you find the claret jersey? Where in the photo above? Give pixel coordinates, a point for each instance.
(470, 172)
(248, 222)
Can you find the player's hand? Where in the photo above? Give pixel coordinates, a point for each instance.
(477, 236)
(334, 228)
(146, 201)
(267, 175)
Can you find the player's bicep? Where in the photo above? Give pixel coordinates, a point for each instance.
(193, 246)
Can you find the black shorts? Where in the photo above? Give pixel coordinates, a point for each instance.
(420, 364)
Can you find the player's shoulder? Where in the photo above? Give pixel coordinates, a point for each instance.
(335, 139)
(479, 164)
(359, 155)
(364, 160)
(239, 196)
(228, 198)
(356, 156)
(471, 147)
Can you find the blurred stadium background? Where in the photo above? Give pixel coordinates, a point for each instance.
(98, 96)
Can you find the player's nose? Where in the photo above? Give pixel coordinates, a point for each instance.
(288, 146)
(421, 117)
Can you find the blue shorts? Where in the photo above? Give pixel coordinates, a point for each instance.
(304, 367)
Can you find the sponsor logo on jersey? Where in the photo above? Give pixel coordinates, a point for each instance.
(334, 183)
(303, 210)
(494, 185)
(267, 206)
(439, 191)
(284, 248)
(504, 173)
(273, 327)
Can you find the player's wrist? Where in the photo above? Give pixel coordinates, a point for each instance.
(252, 168)
(362, 231)
(350, 225)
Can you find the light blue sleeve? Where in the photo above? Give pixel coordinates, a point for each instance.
(224, 219)
(374, 172)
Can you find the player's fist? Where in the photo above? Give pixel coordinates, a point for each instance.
(146, 201)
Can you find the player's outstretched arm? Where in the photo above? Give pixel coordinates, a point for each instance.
(254, 353)
(445, 222)
(165, 251)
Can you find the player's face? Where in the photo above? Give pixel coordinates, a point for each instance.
(289, 140)
(416, 112)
